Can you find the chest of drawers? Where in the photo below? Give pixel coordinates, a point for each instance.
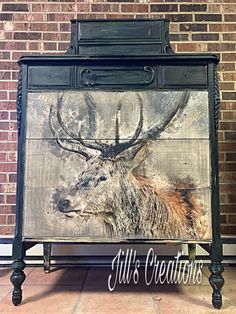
(118, 144)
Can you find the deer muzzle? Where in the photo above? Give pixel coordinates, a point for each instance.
(69, 206)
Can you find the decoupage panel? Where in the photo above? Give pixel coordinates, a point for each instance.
(110, 166)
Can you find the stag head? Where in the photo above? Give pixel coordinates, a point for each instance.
(103, 185)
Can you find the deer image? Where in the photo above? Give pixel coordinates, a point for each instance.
(111, 191)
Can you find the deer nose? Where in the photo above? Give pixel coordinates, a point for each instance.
(63, 204)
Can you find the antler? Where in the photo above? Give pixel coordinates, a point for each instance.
(140, 139)
(117, 148)
(155, 132)
(92, 115)
(110, 150)
(77, 143)
(160, 127)
(69, 144)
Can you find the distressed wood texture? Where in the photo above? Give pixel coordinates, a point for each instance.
(114, 166)
(117, 38)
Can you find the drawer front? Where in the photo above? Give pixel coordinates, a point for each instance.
(140, 76)
(113, 31)
(148, 150)
(183, 76)
(119, 49)
(116, 77)
(120, 38)
(49, 76)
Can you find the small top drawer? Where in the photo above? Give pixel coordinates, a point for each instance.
(49, 76)
(183, 76)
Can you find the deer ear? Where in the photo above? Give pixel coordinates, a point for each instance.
(136, 154)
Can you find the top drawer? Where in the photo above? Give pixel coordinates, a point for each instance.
(181, 76)
(111, 76)
(50, 76)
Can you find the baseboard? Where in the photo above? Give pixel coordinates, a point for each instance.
(82, 254)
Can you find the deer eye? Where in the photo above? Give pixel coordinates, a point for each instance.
(102, 178)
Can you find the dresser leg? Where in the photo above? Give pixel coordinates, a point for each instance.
(47, 249)
(191, 252)
(17, 278)
(216, 280)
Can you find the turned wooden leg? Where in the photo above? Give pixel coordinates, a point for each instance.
(17, 278)
(217, 282)
(47, 249)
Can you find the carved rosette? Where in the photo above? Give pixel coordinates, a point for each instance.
(19, 101)
(216, 100)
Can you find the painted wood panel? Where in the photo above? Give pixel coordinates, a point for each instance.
(110, 166)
